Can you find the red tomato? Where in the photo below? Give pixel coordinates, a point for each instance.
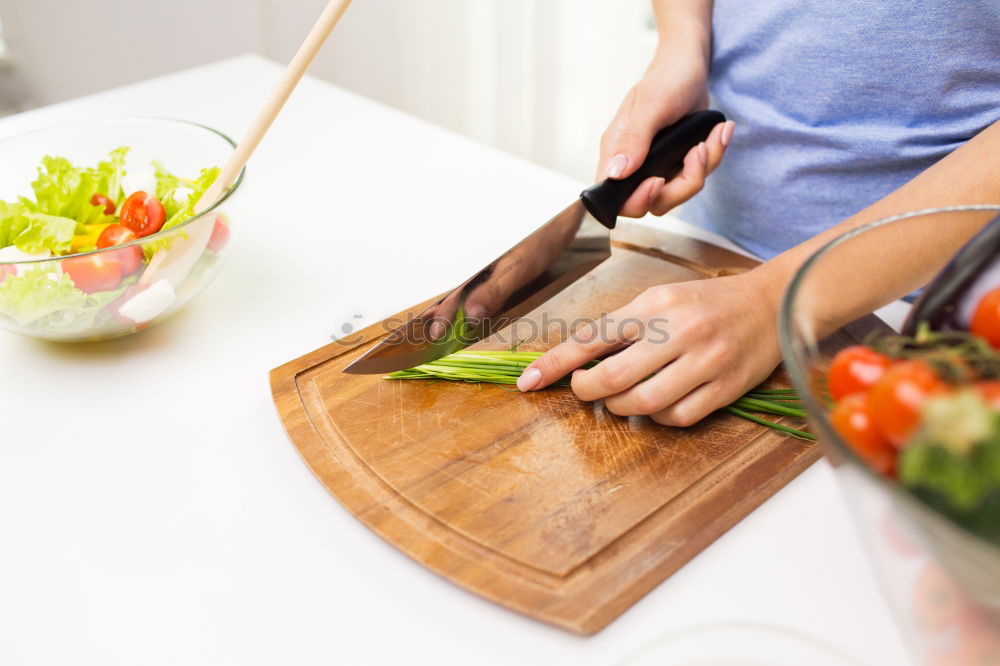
(103, 200)
(852, 418)
(129, 257)
(94, 272)
(5, 270)
(855, 369)
(989, 390)
(143, 214)
(220, 235)
(897, 398)
(986, 318)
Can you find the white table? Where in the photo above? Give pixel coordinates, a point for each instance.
(153, 512)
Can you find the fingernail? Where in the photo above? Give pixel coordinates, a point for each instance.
(616, 167)
(436, 331)
(529, 379)
(727, 132)
(703, 154)
(654, 190)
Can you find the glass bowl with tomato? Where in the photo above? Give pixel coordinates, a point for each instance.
(910, 420)
(98, 232)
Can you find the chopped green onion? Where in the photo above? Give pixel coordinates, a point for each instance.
(504, 367)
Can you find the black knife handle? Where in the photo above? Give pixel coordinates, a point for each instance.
(665, 159)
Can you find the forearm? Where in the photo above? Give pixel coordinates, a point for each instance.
(878, 268)
(683, 23)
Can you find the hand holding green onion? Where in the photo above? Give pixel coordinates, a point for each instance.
(506, 367)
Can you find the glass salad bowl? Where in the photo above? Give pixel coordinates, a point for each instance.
(940, 578)
(98, 238)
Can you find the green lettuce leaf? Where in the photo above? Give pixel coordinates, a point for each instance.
(182, 210)
(111, 172)
(45, 300)
(178, 212)
(12, 222)
(64, 190)
(46, 232)
(166, 185)
(34, 232)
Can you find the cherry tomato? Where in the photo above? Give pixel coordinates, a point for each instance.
(852, 418)
(855, 369)
(5, 270)
(103, 200)
(129, 257)
(220, 235)
(986, 318)
(94, 272)
(897, 398)
(143, 214)
(989, 390)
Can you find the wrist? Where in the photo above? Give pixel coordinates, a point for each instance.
(685, 37)
(680, 58)
(770, 279)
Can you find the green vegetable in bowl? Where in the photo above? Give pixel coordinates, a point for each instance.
(41, 299)
(32, 232)
(65, 190)
(953, 461)
(177, 211)
(74, 210)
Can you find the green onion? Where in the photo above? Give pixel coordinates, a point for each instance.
(799, 434)
(504, 367)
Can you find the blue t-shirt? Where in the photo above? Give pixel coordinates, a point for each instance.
(837, 103)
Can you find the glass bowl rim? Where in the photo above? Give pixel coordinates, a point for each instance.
(162, 232)
(787, 335)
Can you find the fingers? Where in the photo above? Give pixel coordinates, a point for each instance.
(661, 390)
(682, 187)
(699, 403)
(625, 143)
(590, 342)
(658, 196)
(618, 374)
(441, 316)
(485, 300)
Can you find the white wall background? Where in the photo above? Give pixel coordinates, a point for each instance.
(539, 78)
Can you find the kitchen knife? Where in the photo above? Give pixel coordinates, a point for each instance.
(555, 255)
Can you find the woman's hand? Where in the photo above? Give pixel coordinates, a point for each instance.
(701, 344)
(673, 86)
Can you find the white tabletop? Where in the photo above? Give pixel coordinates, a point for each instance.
(152, 510)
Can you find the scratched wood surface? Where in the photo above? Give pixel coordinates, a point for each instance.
(548, 505)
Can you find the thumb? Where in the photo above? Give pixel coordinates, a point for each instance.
(627, 140)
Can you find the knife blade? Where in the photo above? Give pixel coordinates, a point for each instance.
(555, 255)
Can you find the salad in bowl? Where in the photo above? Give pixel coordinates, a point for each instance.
(91, 208)
(911, 422)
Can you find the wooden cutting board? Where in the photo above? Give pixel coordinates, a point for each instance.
(548, 505)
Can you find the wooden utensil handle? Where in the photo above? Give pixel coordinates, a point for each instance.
(282, 90)
(176, 263)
